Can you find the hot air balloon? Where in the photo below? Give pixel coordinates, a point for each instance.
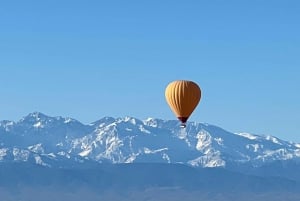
(183, 97)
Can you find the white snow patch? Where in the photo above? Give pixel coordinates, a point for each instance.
(85, 152)
(130, 119)
(131, 159)
(68, 120)
(38, 125)
(166, 157)
(297, 152)
(9, 123)
(36, 148)
(59, 144)
(142, 129)
(279, 154)
(150, 122)
(133, 121)
(149, 151)
(219, 141)
(39, 161)
(247, 135)
(52, 155)
(254, 147)
(3, 152)
(273, 139)
(20, 155)
(204, 140)
(101, 125)
(62, 153)
(207, 161)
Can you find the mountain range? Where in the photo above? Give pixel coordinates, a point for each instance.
(145, 158)
(54, 141)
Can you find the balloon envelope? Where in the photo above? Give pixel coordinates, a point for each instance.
(183, 97)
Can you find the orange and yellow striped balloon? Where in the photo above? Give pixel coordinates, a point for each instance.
(183, 97)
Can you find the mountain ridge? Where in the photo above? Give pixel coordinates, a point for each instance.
(51, 141)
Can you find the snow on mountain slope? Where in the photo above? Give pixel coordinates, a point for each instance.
(49, 141)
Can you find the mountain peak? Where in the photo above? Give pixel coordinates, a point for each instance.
(132, 120)
(37, 115)
(34, 116)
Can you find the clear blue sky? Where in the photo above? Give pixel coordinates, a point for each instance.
(90, 59)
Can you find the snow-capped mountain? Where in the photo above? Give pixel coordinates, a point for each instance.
(58, 141)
